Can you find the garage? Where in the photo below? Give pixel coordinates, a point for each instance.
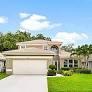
(29, 66)
(28, 61)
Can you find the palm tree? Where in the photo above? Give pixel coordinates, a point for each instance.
(77, 53)
(83, 51)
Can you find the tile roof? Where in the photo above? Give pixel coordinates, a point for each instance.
(39, 42)
(28, 51)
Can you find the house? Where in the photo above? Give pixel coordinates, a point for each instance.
(34, 57)
(2, 62)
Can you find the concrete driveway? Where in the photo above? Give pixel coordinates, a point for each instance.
(24, 83)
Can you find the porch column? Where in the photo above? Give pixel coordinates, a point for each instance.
(68, 62)
(73, 62)
(57, 66)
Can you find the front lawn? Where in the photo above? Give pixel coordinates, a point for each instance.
(74, 83)
(3, 75)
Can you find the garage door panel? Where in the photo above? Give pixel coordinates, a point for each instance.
(29, 66)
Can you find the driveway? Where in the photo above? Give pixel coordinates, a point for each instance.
(24, 83)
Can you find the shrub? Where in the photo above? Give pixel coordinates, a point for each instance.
(65, 68)
(52, 67)
(60, 72)
(75, 69)
(67, 73)
(85, 71)
(51, 73)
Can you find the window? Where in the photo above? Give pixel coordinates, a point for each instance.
(55, 49)
(75, 63)
(65, 63)
(70, 63)
(70, 66)
(23, 46)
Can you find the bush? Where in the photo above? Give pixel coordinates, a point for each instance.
(51, 73)
(85, 71)
(75, 69)
(65, 68)
(60, 72)
(68, 73)
(52, 67)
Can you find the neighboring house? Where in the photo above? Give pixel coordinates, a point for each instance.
(2, 62)
(34, 57)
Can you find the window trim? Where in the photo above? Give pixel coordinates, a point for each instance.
(71, 64)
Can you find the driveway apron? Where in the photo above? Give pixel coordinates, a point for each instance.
(24, 83)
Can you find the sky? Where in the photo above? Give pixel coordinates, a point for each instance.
(68, 21)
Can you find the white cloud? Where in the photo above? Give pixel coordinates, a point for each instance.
(70, 37)
(3, 19)
(37, 23)
(24, 15)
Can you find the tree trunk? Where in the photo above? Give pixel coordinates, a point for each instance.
(86, 60)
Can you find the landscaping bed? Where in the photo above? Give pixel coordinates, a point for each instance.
(3, 75)
(74, 83)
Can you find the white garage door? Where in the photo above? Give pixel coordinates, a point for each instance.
(29, 66)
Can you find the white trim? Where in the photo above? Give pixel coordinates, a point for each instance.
(9, 70)
(31, 57)
(68, 62)
(57, 65)
(32, 44)
(73, 62)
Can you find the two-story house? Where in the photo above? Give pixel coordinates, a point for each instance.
(34, 57)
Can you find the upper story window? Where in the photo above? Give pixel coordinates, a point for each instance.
(55, 49)
(22, 46)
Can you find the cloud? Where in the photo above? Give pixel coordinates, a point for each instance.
(70, 37)
(3, 19)
(24, 15)
(37, 23)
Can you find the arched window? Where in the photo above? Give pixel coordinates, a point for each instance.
(55, 49)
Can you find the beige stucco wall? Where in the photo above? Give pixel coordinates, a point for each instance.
(9, 61)
(35, 46)
(9, 65)
(50, 62)
(61, 63)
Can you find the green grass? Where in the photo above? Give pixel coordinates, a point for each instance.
(3, 75)
(74, 83)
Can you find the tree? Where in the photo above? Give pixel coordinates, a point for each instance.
(8, 40)
(41, 36)
(77, 53)
(22, 36)
(83, 51)
(68, 47)
(1, 42)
